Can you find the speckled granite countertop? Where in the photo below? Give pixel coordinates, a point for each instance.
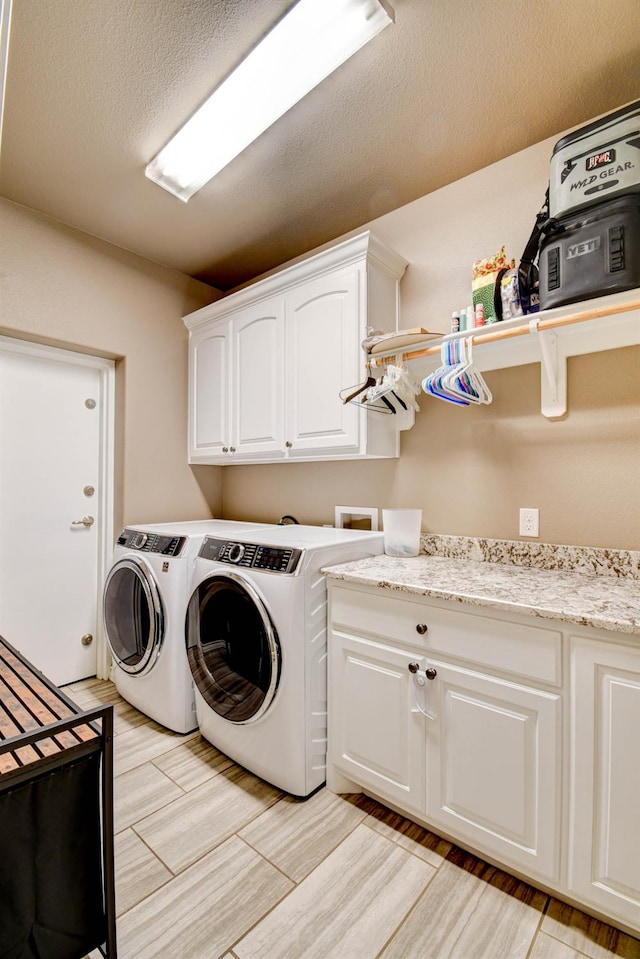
(572, 596)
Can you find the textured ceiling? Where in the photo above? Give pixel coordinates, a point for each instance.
(95, 88)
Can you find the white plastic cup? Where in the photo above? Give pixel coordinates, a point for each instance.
(402, 531)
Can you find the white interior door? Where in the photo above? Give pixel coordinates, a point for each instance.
(55, 505)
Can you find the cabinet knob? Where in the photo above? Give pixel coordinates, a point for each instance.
(288, 444)
(431, 673)
(225, 449)
(232, 449)
(413, 667)
(422, 628)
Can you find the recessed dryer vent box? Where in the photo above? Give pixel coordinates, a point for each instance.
(356, 517)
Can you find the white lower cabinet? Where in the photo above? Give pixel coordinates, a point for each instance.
(377, 738)
(493, 766)
(476, 754)
(538, 774)
(604, 859)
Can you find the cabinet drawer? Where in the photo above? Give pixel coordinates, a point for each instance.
(503, 644)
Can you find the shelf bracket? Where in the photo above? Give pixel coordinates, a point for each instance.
(553, 373)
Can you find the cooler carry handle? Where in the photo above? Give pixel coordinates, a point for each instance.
(527, 268)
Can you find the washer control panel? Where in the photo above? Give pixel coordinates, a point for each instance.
(151, 542)
(276, 559)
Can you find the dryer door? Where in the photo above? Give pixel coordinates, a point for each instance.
(133, 615)
(232, 647)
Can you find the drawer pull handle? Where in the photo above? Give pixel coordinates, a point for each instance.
(422, 628)
(413, 667)
(431, 673)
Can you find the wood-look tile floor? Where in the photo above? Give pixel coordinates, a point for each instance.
(214, 863)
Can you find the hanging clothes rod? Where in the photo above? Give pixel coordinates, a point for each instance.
(535, 322)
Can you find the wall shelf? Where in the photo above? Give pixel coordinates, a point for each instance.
(549, 337)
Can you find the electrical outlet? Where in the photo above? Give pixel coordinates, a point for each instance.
(529, 522)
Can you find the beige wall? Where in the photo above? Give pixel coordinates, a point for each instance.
(468, 469)
(65, 288)
(471, 469)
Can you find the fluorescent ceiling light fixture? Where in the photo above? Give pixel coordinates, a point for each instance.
(303, 48)
(5, 24)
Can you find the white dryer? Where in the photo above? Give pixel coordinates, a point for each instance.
(144, 603)
(256, 636)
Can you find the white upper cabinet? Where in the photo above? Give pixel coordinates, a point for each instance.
(322, 323)
(236, 384)
(267, 364)
(257, 381)
(209, 372)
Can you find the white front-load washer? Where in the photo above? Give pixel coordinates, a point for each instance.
(256, 638)
(144, 603)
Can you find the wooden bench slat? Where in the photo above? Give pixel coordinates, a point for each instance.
(27, 704)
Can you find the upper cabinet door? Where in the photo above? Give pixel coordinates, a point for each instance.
(323, 333)
(209, 428)
(258, 381)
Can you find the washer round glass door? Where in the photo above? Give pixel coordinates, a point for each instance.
(232, 647)
(133, 615)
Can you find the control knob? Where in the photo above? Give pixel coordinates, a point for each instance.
(235, 553)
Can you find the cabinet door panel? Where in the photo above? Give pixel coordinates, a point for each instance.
(209, 394)
(258, 336)
(605, 779)
(323, 333)
(493, 767)
(374, 737)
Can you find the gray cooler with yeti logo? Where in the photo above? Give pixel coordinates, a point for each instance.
(591, 253)
(599, 161)
(591, 242)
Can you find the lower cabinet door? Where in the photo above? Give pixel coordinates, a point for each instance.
(604, 839)
(376, 735)
(493, 767)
